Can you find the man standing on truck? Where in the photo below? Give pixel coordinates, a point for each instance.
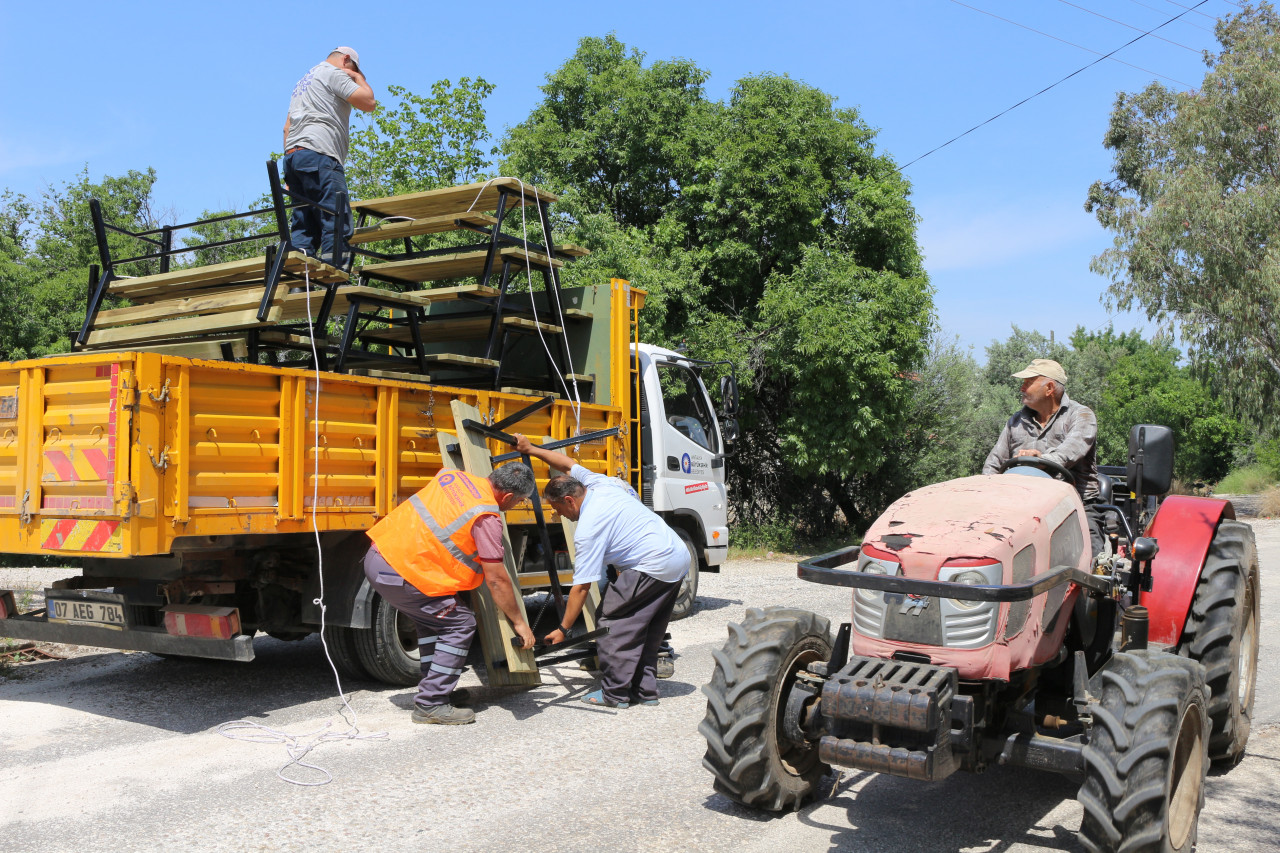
(615, 528)
(444, 540)
(1054, 427)
(315, 144)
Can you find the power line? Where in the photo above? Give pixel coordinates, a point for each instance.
(1192, 8)
(1050, 86)
(1188, 23)
(1130, 26)
(1071, 43)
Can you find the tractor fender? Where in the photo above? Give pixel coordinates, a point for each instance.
(1184, 527)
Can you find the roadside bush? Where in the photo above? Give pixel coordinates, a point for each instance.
(1250, 480)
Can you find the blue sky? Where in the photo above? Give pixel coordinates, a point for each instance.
(199, 91)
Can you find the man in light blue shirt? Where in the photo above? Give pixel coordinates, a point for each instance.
(615, 528)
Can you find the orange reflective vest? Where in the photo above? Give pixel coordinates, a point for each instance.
(427, 539)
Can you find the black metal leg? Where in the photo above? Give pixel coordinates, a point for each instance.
(499, 307)
(552, 280)
(493, 239)
(277, 203)
(95, 303)
(276, 256)
(411, 317)
(348, 335)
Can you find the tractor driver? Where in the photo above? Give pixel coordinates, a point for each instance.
(1053, 426)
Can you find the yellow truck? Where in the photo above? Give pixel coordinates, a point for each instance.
(207, 500)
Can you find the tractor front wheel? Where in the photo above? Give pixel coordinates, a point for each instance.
(748, 752)
(1222, 634)
(1147, 755)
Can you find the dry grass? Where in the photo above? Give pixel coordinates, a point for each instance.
(1269, 505)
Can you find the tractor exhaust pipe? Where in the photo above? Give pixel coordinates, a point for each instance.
(1133, 628)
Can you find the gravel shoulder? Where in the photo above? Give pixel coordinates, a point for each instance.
(120, 751)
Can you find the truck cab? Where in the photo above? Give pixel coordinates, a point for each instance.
(683, 447)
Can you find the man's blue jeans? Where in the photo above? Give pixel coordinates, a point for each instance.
(319, 178)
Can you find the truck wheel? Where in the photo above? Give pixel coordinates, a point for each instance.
(341, 643)
(1147, 755)
(1222, 634)
(389, 649)
(688, 595)
(752, 760)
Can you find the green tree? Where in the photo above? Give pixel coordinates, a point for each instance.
(414, 142)
(1148, 387)
(768, 232)
(1194, 205)
(47, 248)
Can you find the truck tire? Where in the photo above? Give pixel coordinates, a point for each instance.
(747, 753)
(341, 643)
(688, 595)
(389, 649)
(1147, 755)
(1222, 634)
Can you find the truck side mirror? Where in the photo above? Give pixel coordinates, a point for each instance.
(729, 396)
(729, 430)
(1150, 469)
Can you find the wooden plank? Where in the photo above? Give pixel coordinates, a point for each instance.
(479, 197)
(211, 302)
(182, 328)
(445, 294)
(414, 227)
(530, 392)
(452, 360)
(453, 265)
(162, 285)
(576, 314)
(571, 250)
(391, 374)
(492, 624)
(460, 329)
(209, 348)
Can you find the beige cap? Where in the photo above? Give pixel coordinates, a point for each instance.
(351, 52)
(1046, 367)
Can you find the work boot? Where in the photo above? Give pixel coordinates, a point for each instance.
(666, 665)
(443, 715)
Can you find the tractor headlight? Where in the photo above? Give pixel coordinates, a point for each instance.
(874, 565)
(973, 573)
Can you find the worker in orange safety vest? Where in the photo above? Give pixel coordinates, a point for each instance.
(443, 541)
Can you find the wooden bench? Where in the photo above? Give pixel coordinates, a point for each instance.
(454, 265)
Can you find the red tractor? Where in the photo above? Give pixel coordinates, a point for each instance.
(984, 633)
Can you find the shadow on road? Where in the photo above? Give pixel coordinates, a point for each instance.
(180, 695)
(991, 812)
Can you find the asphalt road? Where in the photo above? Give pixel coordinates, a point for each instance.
(115, 751)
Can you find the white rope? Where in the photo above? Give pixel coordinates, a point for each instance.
(299, 746)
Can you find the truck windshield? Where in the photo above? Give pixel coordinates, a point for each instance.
(686, 405)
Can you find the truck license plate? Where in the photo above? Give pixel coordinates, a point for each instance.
(73, 612)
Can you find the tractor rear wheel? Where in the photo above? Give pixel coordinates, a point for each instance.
(1147, 755)
(389, 649)
(1222, 634)
(753, 762)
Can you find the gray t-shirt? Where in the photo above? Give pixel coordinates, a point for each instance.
(319, 112)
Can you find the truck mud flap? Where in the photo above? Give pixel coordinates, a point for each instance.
(41, 630)
(890, 716)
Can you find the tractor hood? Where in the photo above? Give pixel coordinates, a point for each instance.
(973, 517)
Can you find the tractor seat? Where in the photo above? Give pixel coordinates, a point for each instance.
(1105, 487)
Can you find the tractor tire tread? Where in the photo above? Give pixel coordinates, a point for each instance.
(1141, 697)
(1212, 631)
(742, 753)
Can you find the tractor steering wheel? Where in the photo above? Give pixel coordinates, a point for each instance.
(1046, 465)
